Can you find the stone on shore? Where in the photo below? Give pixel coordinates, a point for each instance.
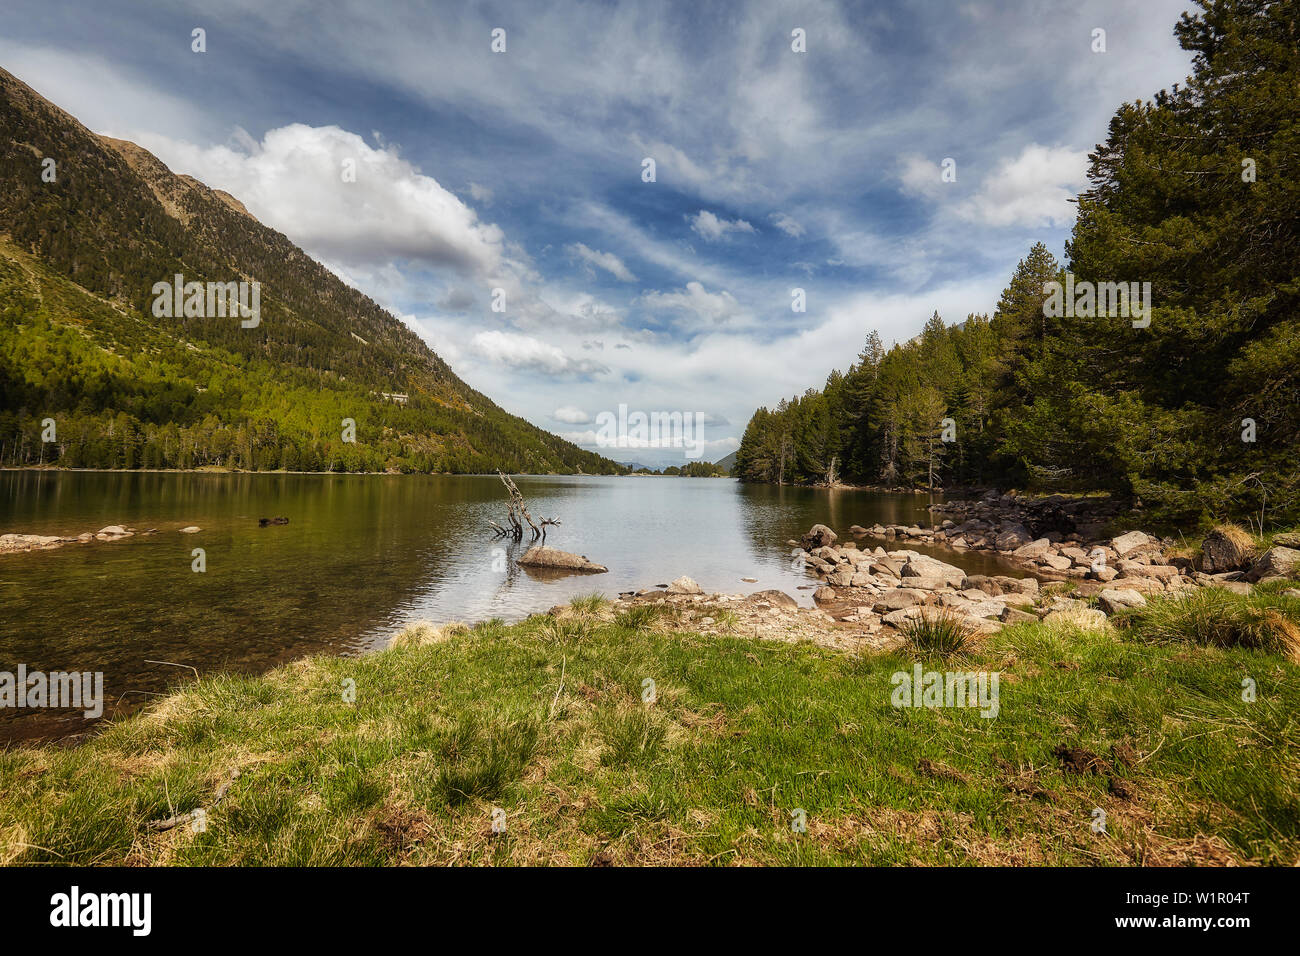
(684, 585)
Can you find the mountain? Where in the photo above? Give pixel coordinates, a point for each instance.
(89, 225)
(728, 463)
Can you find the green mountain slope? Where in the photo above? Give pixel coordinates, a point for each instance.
(80, 345)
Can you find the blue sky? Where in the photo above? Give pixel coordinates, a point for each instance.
(522, 170)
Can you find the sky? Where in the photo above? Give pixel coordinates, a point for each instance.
(497, 200)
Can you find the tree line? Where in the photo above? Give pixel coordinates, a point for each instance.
(1194, 413)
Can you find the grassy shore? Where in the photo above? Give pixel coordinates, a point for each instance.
(546, 721)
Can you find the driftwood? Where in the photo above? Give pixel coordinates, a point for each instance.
(518, 510)
(177, 819)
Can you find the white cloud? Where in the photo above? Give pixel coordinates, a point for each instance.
(525, 352)
(695, 300)
(570, 415)
(788, 225)
(480, 194)
(712, 228)
(602, 260)
(1034, 189)
(294, 181)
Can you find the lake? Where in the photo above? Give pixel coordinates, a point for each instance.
(361, 556)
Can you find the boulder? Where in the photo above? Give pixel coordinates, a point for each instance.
(1011, 615)
(1012, 537)
(1034, 549)
(822, 595)
(1128, 541)
(922, 566)
(1275, 562)
(683, 585)
(192, 529)
(777, 598)
(1225, 549)
(898, 599)
(818, 536)
(1116, 599)
(1057, 562)
(1018, 585)
(1287, 539)
(540, 556)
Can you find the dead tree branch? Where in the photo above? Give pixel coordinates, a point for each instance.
(518, 509)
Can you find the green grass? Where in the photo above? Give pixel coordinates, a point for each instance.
(740, 733)
(1265, 619)
(942, 634)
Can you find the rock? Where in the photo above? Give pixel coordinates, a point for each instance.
(1162, 572)
(902, 616)
(772, 596)
(1057, 562)
(191, 529)
(1287, 539)
(840, 579)
(1275, 562)
(683, 585)
(984, 583)
(1236, 587)
(112, 533)
(821, 595)
(1104, 573)
(1018, 585)
(1012, 537)
(886, 566)
(1225, 549)
(857, 529)
(861, 579)
(898, 599)
(819, 536)
(1143, 584)
(1012, 616)
(1034, 549)
(1116, 599)
(263, 522)
(750, 580)
(922, 566)
(928, 584)
(27, 542)
(1128, 541)
(540, 556)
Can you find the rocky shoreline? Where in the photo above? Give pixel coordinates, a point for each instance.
(868, 595)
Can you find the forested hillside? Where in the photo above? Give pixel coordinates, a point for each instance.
(83, 241)
(1197, 192)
